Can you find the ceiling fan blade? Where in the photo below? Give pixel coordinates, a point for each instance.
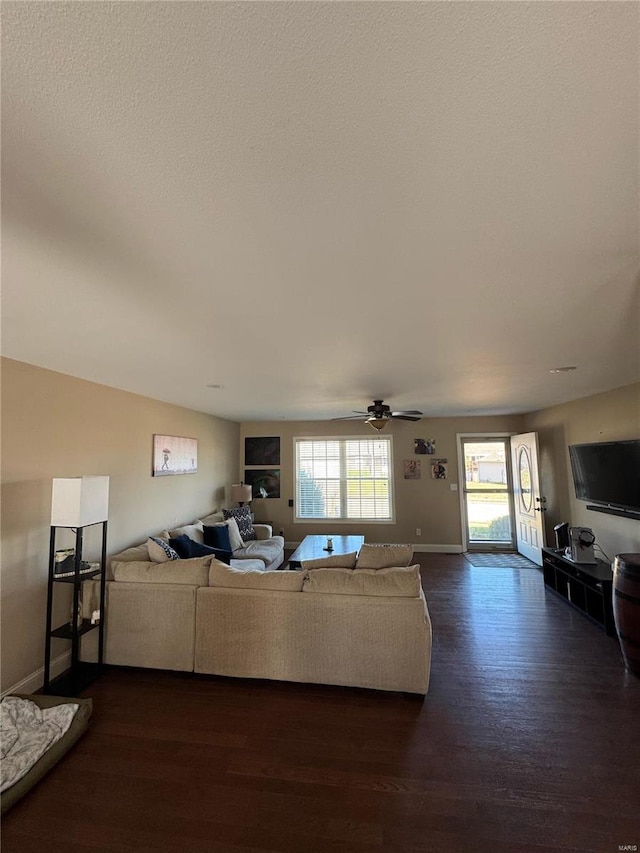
(379, 413)
(361, 417)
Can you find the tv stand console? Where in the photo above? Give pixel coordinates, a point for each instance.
(586, 586)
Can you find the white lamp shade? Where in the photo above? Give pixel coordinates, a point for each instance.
(241, 492)
(79, 501)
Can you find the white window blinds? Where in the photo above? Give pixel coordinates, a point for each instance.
(344, 478)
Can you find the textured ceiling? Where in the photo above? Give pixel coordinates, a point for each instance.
(314, 204)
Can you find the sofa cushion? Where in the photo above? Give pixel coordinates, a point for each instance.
(225, 576)
(266, 550)
(245, 524)
(384, 556)
(192, 572)
(336, 561)
(136, 553)
(217, 536)
(187, 548)
(397, 582)
(193, 531)
(212, 518)
(247, 565)
(160, 551)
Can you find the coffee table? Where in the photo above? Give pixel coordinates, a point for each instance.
(313, 547)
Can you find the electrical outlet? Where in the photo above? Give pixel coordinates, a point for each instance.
(418, 531)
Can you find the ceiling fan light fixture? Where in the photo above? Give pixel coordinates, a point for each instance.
(378, 414)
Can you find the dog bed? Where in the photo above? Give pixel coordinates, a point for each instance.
(55, 752)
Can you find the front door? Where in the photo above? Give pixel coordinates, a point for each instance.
(486, 501)
(529, 503)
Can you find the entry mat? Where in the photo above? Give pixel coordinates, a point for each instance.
(500, 561)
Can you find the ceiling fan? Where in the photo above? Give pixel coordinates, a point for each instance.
(378, 415)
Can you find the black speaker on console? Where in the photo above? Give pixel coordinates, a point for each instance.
(562, 536)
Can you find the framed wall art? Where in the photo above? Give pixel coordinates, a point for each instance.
(264, 482)
(412, 469)
(439, 469)
(264, 450)
(173, 454)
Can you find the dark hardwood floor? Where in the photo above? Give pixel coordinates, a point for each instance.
(528, 741)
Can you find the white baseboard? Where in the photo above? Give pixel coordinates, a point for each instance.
(438, 549)
(35, 681)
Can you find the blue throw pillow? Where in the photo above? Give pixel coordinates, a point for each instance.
(217, 537)
(188, 548)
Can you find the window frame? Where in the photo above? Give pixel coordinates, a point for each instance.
(343, 438)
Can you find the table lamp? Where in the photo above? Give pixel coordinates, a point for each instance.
(241, 492)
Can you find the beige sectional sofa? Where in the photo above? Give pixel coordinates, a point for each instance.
(361, 628)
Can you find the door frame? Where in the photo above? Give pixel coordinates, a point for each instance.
(461, 486)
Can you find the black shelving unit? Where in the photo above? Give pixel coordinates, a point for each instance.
(586, 586)
(81, 673)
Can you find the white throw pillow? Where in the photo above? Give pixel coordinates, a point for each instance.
(193, 531)
(235, 539)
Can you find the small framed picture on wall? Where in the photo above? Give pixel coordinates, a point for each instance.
(439, 469)
(412, 469)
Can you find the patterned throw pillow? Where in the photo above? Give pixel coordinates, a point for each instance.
(160, 551)
(245, 525)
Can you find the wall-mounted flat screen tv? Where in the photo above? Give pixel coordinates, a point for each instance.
(608, 474)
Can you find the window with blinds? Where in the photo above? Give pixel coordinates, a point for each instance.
(347, 479)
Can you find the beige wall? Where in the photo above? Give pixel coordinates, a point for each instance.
(613, 416)
(57, 426)
(426, 503)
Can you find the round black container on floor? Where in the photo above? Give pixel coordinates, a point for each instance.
(626, 608)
